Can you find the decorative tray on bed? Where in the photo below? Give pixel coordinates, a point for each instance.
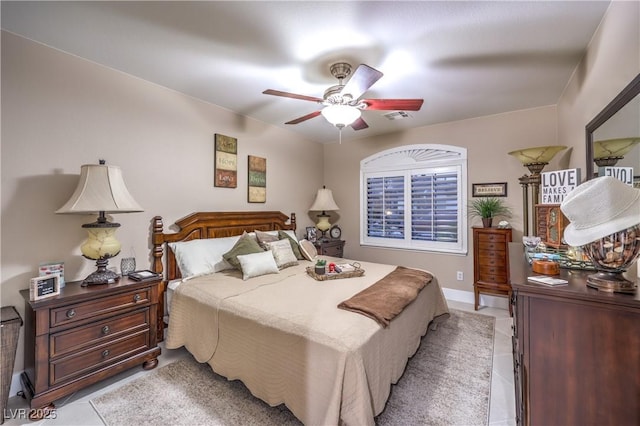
(357, 271)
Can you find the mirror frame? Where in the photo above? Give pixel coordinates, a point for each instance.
(628, 93)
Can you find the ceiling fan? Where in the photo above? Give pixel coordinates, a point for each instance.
(342, 103)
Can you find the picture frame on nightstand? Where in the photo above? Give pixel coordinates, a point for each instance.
(44, 286)
(312, 233)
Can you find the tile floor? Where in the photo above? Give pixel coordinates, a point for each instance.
(76, 409)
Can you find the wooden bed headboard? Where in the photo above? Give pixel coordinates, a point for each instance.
(203, 225)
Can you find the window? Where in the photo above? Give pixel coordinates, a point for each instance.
(413, 198)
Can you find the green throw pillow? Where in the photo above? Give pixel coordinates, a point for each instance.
(245, 245)
(294, 244)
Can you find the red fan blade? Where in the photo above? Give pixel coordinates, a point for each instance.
(394, 104)
(304, 118)
(360, 81)
(292, 95)
(359, 124)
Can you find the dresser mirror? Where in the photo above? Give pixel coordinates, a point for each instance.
(619, 124)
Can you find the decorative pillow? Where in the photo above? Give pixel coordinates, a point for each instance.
(256, 264)
(294, 244)
(245, 245)
(265, 237)
(282, 253)
(200, 257)
(308, 250)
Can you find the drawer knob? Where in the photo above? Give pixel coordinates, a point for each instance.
(136, 297)
(106, 329)
(105, 353)
(71, 313)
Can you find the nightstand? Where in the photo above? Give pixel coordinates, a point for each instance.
(86, 334)
(333, 248)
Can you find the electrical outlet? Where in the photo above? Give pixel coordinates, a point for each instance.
(460, 275)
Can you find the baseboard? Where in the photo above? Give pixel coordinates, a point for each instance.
(467, 297)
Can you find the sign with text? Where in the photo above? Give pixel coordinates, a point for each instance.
(556, 185)
(624, 174)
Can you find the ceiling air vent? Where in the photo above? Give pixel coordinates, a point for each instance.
(397, 115)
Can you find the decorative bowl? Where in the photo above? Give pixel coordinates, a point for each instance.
(611, 256)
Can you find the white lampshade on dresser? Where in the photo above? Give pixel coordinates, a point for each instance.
(101, 189)
(323, 203)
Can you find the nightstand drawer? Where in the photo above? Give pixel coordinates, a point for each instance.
(84, 362)
(97, 333)
(335, 251)
(94, 308)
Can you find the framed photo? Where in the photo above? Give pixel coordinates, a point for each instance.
(312, 234)
(498, 189)
(44, 286)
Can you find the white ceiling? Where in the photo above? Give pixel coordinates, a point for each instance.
(465, 59)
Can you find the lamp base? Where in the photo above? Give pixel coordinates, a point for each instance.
(102, 275)
(611, 282)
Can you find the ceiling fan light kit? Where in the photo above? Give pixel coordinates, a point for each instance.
(342, 104)
(341, 115)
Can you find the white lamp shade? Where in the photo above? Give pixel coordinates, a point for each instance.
(341, 115)
(100, 189)
(324, 201)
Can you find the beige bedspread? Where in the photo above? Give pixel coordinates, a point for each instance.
(284, 337)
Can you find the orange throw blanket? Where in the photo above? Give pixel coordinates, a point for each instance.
(386, 298)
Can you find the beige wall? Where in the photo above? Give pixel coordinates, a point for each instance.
(59, 112)
(487, 140)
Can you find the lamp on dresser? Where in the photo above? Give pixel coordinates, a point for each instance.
(101, 190)
(323, 203)
(533, 159)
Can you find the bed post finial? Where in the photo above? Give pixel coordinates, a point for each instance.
(293, 221)
(157, 242)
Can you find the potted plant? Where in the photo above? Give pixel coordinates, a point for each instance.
(487, 208)
(320, 266)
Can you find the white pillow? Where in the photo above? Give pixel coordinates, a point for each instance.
(282, 253)
(256, 264)
(307, 249)
(200, 257)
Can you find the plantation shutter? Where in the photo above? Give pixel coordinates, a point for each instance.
(434, 207)
(385, 207)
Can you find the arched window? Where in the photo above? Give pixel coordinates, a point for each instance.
(412, 197)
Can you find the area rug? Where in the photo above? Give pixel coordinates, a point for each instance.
(447, 382)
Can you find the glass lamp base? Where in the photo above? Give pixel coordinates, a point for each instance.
(612, 282)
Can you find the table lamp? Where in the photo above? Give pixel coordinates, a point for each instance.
(605, 220)
(101, 190)
(324, 203)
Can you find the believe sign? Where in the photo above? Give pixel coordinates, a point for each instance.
(556, 185)
(624, 174)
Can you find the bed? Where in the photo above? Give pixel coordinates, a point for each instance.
(281, 333)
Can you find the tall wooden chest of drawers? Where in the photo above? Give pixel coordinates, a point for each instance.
(491, 262)
(86, 334)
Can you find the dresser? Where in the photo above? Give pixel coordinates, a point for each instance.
(333, 248)
(576, 351)
(86, 334)
(491, 262)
